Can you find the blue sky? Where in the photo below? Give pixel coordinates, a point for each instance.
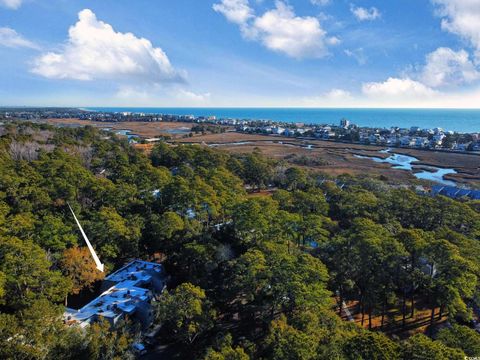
(306, 53)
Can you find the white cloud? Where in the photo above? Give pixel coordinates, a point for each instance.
(445, 67)
(236, 11)
(332, 98)
(279, 29)
(320, 2)
(429, 85)
(338, 94)
(397, 89)
(10, 38)
(190, 96)
(461, 17)
(11, 4)
(132, 93)
(358, 55)
(467, 99)
(94, 50)
(156, 95)
(364, 14)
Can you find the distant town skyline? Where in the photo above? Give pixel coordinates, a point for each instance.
(240, 53)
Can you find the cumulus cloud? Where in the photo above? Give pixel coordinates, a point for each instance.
(461, 17)
(94, 50)
(429, 85)
(364, 14)
(445, 67)
(399, 89)
(236, 11)
(387, 98)
(10, 38)
(279, 29)
(11, 4)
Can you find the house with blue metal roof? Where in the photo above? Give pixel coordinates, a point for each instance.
(126, 293)
(455, 192)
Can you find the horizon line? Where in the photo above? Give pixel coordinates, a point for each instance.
(232, 107)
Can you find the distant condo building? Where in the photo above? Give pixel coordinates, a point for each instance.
(127, 293)
(344, 123)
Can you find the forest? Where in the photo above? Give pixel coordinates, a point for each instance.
(255, 274)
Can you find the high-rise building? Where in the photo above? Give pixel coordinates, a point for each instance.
(344, 123)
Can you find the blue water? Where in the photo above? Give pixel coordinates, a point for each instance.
(461, 120)
(405, 162)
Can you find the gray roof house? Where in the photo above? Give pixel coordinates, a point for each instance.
(128, 292)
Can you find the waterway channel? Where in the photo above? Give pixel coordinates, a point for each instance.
(406, 162)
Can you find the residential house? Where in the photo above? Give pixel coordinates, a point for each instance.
(126, 293)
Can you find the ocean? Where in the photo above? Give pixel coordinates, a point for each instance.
(460, 120)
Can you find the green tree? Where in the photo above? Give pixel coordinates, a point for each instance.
(3, 280)
(245, 282)
(164, 229)
(186, 312)
(164, 155)
(414, 241)
(314, 228)
(374, 260)
(105, 344)
(451, 280)
(312, 201)
(21, 225)
(284, 342)
(257, 170)
(114, 234)
(370, 346)
(229, 190)
(422, 347)
(224, 350)
(196, 261)
(284, 199)
(296, 178)
(37, 332)
(285, 228)
(27, 274)
(461, 337)
(298, 281)
(192, 198)
(356, 203)
(253, 218)
(52, 234)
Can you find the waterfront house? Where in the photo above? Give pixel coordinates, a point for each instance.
(406, 141)
(422, 142)
(277, 130)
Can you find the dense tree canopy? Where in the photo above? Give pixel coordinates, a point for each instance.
(254, 274)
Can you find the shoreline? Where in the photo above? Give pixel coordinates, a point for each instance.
(337, 154)
(364, 117)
